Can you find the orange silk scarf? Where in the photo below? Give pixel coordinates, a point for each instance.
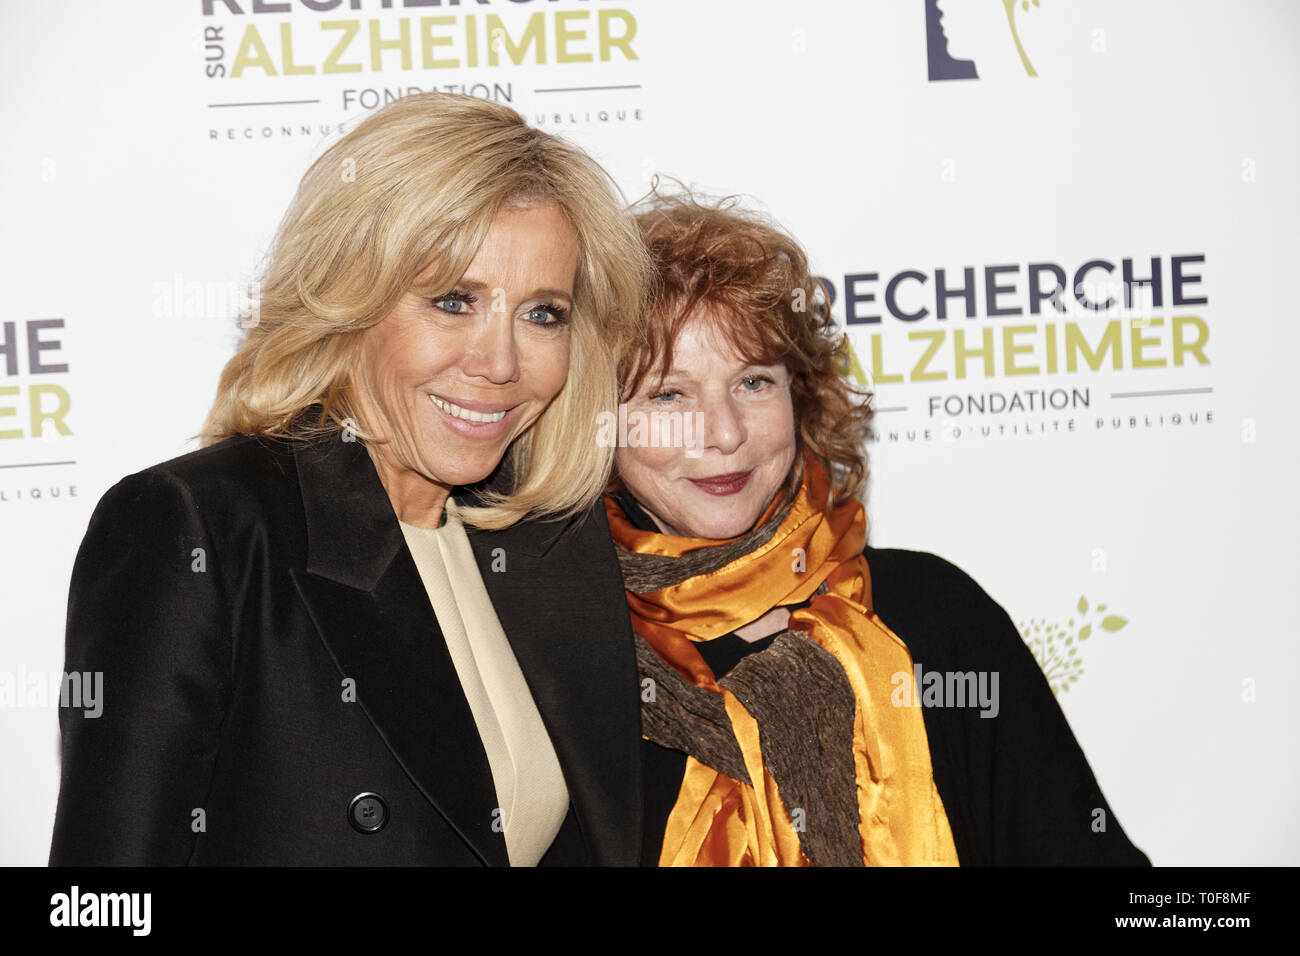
(720, 821)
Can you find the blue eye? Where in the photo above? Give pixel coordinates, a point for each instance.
(665, 396)
(548, 314)
(757, 381)
(454, 303)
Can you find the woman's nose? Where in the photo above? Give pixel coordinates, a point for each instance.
(494, 354)
(723, 427)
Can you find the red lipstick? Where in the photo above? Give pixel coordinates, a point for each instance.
(722, 485)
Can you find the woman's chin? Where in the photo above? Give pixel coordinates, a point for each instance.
(716, 527)
(468, 470)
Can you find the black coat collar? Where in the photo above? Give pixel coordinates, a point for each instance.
(370, 608)
(353, 534)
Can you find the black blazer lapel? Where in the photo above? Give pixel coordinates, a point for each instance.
(369, 605)
(572, 638)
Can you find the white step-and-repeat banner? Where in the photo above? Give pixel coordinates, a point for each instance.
(1059, 233)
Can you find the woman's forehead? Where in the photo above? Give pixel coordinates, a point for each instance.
(706, 346)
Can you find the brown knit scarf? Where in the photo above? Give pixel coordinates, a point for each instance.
(797, 691)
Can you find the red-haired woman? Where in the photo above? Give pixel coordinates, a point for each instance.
(779, 706)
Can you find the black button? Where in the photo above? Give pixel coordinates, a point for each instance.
(367, 813)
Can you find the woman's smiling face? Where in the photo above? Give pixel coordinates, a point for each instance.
(447, 383)
(745, 442)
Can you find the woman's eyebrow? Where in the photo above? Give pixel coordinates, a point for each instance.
(552, 294)
(469, 285)
(476, 285)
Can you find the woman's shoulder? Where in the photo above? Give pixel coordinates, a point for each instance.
(900, 576)
(227, 478)
(240, 456)
(936, 607)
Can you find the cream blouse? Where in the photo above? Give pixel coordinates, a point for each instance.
(529, 784)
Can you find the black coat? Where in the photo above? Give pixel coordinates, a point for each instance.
(237, 598)
(1016, 788)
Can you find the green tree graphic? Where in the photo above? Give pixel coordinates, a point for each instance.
(1056, 646)
(1010, 7)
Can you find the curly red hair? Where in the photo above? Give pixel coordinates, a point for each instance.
(750, 279)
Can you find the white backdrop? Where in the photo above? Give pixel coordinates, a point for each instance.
(139, 192)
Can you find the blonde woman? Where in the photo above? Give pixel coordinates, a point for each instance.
(377, 619)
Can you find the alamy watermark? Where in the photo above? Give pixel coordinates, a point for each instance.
(80, 690)
(637, 429)
(75, 908)
(184, 298)
(922, 688)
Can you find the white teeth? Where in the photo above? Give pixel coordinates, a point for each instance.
(479, 418)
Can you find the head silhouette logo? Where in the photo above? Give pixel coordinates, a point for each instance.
(985, 39)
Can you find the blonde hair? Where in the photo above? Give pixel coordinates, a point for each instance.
(414, 189)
